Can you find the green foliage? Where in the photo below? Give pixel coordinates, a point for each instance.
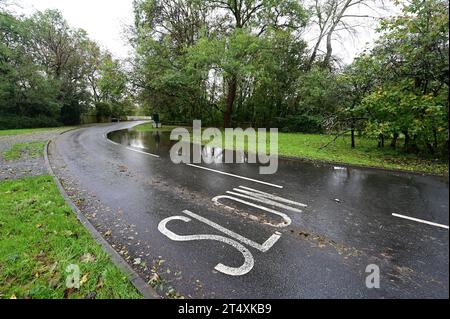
(8, 122)
(192, 66)
(102, 110)
(409, 93)
(300, 123)
(246, 62)
(240, 62)
(50, 70)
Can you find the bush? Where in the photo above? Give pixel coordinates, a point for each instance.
(8, 122)
(103, 110)
(300, 123)
(71, 113)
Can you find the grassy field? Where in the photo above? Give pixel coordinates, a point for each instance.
(29, 131)
(148, 127)
(40, 237)
(366, 153)
(21, 150)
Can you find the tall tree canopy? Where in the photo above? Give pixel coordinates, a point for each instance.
(51, 73)
(265, 63)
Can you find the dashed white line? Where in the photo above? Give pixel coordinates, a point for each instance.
(112, 142)
(141, 152)
(420, 221)
(236, 176)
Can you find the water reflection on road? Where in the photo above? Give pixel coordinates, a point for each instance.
(369, 190)
(159, 143)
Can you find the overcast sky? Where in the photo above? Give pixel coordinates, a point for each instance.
(104, 20)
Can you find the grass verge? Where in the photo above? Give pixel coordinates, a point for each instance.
(366, 153)
(24, 150)
(148, 127)
(40, 237)
(29, 131)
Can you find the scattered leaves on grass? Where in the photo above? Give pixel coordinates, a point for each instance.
(87, 258)
(68, 292)
(84, 279)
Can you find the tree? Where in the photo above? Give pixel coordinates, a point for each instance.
(61, 51)
(332, 17)
(256, 16)
(112, 82)
(49, 71)
(24, 90)
(411, 97)
(356, 82)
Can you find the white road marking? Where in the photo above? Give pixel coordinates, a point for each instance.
(112, 141)
(263, 248)
(286, 218)
(270, 196)
(141, 152)
(237, 176)
(108, 140)
(267, 202)
(420, 221)
(249, 262)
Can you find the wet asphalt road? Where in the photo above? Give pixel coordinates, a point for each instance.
(346, 226)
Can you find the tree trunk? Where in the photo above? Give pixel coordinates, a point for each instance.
(394, 141)
(410, 144)
(327, 60)
(381, 141)
(406, 141)
(435, 136)
(232, 90)
(353, 134)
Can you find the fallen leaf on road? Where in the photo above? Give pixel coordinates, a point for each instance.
(137, 261)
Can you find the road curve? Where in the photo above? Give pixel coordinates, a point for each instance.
(312, 238)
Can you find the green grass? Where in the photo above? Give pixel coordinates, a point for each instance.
(148, 127)
(40, 237)
(366, 153)
(28, 131)
(24, 150)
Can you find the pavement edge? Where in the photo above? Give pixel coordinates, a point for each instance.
(145, 289)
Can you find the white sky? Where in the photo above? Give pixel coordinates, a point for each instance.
(104, 20)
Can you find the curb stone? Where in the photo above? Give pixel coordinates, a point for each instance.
(145, 289)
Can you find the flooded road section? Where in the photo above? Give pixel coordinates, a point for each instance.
(225, 231)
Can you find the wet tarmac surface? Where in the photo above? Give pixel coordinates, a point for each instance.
(308, 231)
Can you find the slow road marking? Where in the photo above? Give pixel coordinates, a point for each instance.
(246, 267)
